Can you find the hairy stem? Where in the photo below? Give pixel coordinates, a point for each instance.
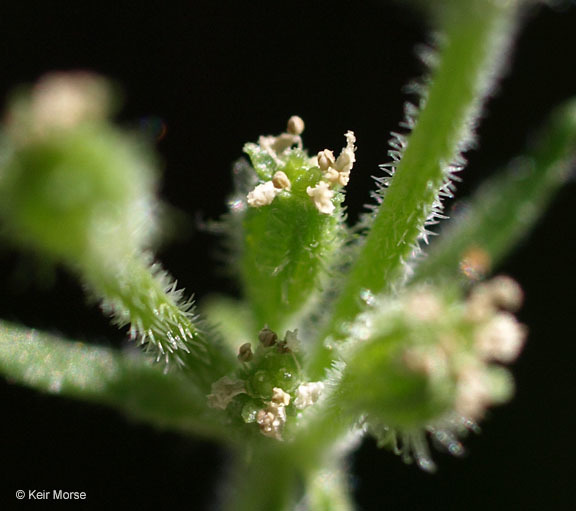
(307, 468)
(283, 478)
(506, 207)
(474, 41)
(328, 489)
(261, 480)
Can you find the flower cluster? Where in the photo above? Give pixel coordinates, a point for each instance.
(447, 351)
(335, 172)
(268, 387)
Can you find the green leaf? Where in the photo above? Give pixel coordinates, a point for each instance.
(126, 382)
(288, 246)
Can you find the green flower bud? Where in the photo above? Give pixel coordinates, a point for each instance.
(274, 370)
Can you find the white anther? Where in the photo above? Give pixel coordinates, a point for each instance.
(332, 175)
(346, 159)
(262, 195)
(295, 125)
(343, 178)
(279, 397)
(321, 196)
(307, 394)
(271, 420)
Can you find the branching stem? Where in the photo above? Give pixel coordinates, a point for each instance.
(470, 54)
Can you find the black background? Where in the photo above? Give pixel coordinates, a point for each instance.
(219, 74)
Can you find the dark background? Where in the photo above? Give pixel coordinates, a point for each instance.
(219, 74)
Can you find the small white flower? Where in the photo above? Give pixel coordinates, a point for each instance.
(325, 159)
(346, 159)
(506, 292)
(321, 196)
(502, 338)
(62, 100)
(473, 392)
(271, 420)
(430, 361)
(262, 195)
(279, 397)
(487, 297)
(307, 394)
(424, 305)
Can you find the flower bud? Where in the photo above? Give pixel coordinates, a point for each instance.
(281, 181)
(325, 159)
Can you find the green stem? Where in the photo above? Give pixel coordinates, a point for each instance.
(328, 489)
(474, 40)
(262, 480)
(307, 467)
(279, 477)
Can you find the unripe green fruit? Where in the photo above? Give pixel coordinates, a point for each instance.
(274, 370)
